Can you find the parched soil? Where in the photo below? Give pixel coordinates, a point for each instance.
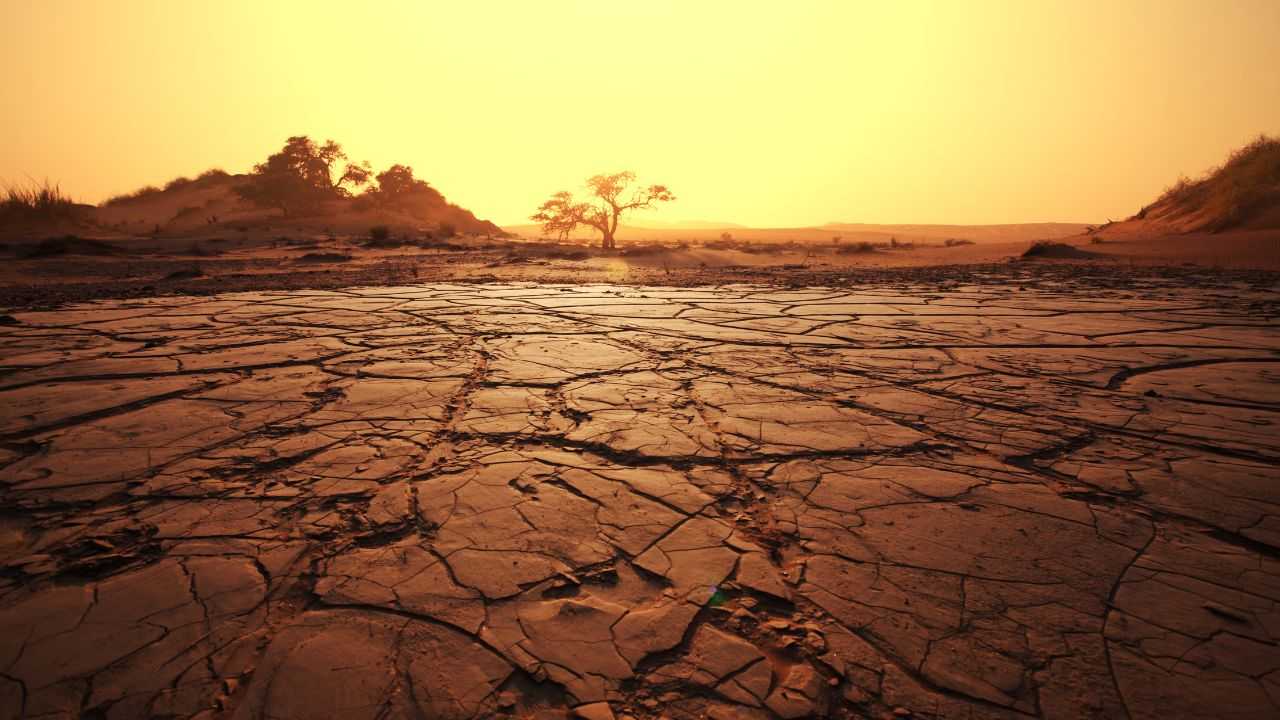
(160, 267)
(1036, 491)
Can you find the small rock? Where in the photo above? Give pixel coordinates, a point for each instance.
(594, 711)
(1225, 613)
(855, 694)
(815, 642)
(799, 695)
(901, 712)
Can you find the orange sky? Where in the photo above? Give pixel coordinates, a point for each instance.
(761, 113)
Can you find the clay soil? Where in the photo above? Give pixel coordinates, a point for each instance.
(434, 484)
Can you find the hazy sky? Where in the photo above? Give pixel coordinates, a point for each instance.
(762, 113)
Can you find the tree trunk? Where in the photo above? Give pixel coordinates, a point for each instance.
(613, 227)
(607, 241)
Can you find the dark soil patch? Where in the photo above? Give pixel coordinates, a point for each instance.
(1058, 251)
(68, 245)
(324, 257)
(185, 274)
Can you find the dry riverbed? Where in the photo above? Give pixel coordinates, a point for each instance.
(992, 496)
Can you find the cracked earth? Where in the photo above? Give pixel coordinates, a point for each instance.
(446, 501)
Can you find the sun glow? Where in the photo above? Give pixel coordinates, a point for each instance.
(762, 114)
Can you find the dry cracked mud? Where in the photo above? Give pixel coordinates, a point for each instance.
(447, 501)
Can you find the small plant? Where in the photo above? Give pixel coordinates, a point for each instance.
(859, 248)
(138, 194)
(379, 233)
(36, 201)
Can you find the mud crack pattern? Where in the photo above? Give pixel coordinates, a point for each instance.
(741, 502)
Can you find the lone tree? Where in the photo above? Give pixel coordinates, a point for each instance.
(612, 196)
(303, 176)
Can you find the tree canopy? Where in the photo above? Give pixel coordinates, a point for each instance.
(611, 196)
(303, 176)
(396, 186)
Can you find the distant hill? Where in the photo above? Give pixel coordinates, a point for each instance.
(1009, 232)
(688, 225)
(846, 232)
(209, 203)
(1242, 194)
(210, 200)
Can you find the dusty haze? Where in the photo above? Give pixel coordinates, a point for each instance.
(991, 112)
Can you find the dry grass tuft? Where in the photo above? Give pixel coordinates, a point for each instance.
(36, 201)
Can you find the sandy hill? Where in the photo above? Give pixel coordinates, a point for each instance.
(210, 201)
(209, 204)
(1243, 194)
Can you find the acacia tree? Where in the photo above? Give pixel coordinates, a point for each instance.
(611, 196)
(303, 175)
(397, 185)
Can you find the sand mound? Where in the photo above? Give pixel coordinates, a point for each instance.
(1047, 250)
(1243, 194)
(210, 201)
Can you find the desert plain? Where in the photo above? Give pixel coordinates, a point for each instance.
(640, 360)
(1025, 493)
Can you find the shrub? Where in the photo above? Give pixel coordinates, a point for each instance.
(859, 248)
(447, 230)
(956, 242)
(765, 249)
(41, 201)
(138, 194)
(644, 250)
(1057, 250)
(379, 233)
